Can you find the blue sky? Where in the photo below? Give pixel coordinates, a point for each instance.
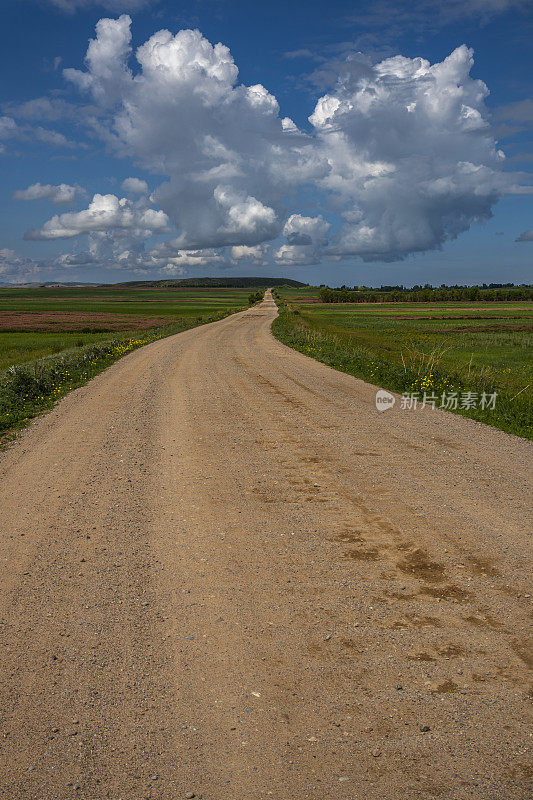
(329, 142)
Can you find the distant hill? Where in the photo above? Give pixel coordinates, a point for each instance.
(219, 283)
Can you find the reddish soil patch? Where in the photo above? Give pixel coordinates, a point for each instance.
(75, 321)
(313, 300)
(303, 300)
(484, 329)
(483, 306)
(448, 316)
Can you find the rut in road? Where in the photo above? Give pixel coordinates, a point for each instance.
(225, 573)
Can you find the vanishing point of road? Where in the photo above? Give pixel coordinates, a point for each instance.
(225, 574)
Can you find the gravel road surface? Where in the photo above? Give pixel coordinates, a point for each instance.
(225, 574)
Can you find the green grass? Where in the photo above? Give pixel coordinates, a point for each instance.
(381, 345)
(24, 346)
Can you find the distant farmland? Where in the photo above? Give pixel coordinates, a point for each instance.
(45, 321)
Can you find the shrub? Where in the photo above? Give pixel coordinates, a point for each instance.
(255, 298)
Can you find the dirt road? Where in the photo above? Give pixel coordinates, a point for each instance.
(225, 573)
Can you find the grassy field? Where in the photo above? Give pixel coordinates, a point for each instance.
(417, 347)
(55, 339)
(41, 322)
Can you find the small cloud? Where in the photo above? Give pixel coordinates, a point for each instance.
(53, 64)
(135, 186)
(15, 268)
(519, 112)
(306, 236)
(526, 236)
(46, 108)
(521, 157)
(105, 213)
(8, 128)
(60, 194)
(53, 138)
(404, 18)
(254, 254)
(298, 238)
(115, 6)
(304, 52)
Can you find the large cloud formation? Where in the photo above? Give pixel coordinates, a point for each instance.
(229, 157)
(412, 159)
(399, 154)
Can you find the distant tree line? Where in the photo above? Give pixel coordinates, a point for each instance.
(427, 293)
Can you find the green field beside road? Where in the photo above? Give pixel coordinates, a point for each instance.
(55, 339)
(424, 347)
(39, 322)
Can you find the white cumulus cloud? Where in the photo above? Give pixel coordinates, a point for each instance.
(228, 156)
(412, 159)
